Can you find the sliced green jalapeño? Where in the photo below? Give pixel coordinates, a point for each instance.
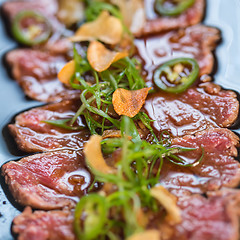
(172, 7)
(90, 216)
(177, 75)
(31, 28)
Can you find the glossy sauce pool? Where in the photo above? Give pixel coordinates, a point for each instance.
(194, 42)
(219, 13)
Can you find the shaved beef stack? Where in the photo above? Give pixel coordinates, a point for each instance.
(56, 178)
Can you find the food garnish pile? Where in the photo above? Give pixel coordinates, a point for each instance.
(132, 142)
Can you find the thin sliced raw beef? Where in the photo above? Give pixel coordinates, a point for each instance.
(195, 42)
(46, 7)
(212, 218)
(156, 23)
(34, 135)
(57, 43)
(218, 166)
(40, 225)
(51, 180)
(197, 109)
(36, 72)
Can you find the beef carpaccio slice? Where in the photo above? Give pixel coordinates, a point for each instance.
(36, 72)
(218, 166)
(34, 135)
(195, 42)
(57, 43)
(212, 218)
(156, 23)
(40, 225)
(197, 109)
(51, 180)
(11, 8)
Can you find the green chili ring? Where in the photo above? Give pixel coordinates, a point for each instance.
(22, 36)
(186, 81)
(94, 209)
(180, 7)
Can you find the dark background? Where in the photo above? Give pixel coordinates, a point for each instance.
(223, 14)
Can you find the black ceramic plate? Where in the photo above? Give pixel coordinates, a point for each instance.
(222, 14)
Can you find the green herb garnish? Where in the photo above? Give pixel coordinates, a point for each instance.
(94, 8)
(64, 123)
(137, 171)
(97, 97)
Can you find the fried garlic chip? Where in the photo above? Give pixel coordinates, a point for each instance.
(146, 235)
(70, 11)
(100, 58)
(133, 14)
(67, 72)
(105, 28)
(168, 201)
(111, 134)
(93, 154)
(129, 102)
